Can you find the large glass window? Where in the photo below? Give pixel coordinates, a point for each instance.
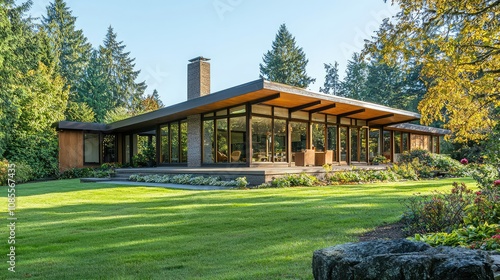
(397, 142)
(91, 148)
(222, 140)
(109, 148)
(332, 140)
(405, 141)
(174, 142)
(354, 144)
(208, 141)
(280, 142)
(127, 148)
(343, 143)
(165, 147)
(183, 135)
(374, 143)
(387, 148)
(261, 139)
(318, 136)
(363, 143)
(299, 136)
(238, 136)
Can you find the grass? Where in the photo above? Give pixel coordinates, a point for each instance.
(68, 230)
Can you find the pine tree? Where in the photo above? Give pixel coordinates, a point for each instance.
(69, 45)
(95, 89)
(332, 80)
(354, 83)
(119, 70)
(285, 62)
(79, 112)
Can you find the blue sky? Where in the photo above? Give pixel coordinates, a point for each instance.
(234, 34)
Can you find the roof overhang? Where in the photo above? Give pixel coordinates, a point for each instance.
(269, 93)
(415, 128)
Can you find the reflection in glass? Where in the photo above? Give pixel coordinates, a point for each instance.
(238, 135)
(332, 140)
(174, 141)
(318, 136)
(343, 143)
(208, 142)
(354, 144)
(362, 148)
(222, 140)
(261, 139)
(280, 147)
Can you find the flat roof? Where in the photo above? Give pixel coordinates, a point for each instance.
(409, 127)
(269, 93)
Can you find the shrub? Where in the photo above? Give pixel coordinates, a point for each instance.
(380, 159)
(485, 208)
(484, 174)
(437, 212)
(423, 156)
(4, 172)
(23, 173)
(294, 180)
(186, 179)
(484, 237)
(74, 173)
(405, 171)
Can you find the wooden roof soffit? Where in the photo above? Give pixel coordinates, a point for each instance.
(380, 117)
(304, 106)
(351, 113)
(324, 108)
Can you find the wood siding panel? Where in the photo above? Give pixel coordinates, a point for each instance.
(70, 150)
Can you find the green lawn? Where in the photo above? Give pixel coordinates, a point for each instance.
(68, 230)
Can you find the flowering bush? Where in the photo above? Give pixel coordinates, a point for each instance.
(437, 212)
(464, 161)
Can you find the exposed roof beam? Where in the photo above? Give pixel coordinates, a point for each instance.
(294, 109)
(265, 99)
(380, 117)
(323, 108)
(351, 113)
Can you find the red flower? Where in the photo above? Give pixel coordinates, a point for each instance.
(496, 183)
(478, 193)
(464, 161)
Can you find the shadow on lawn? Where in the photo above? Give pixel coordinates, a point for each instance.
(192, 234)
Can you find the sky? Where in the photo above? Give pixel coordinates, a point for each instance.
(163, 35)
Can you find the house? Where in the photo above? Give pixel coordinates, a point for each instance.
(260, 123)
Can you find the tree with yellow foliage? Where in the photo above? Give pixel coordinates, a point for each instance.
(458, 45)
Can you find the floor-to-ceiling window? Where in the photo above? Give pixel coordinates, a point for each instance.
(374, 143)
(363, 143)
(298, 135)
(280, 140)
(387, 144)
(332, 140)
(354, 144)
(225, 136)
(109, 148)
(261, 139)
(318, 136)
(343, 140)
(173, 143)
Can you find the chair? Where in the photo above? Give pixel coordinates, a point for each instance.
(305, 158)
(235, 156)
(322, 158)
(221, 157)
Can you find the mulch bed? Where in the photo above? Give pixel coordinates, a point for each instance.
(385, 231)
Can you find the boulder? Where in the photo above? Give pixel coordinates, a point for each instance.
(400, 259)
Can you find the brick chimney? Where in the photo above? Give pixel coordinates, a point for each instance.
(198, 77)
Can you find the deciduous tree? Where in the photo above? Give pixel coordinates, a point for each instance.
(457, 43)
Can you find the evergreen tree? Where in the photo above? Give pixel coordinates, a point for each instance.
(79, 112)
(354, 83)
(95, 89)
(285, 62)
(69, 45)
(119, 70)
(332, 80)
